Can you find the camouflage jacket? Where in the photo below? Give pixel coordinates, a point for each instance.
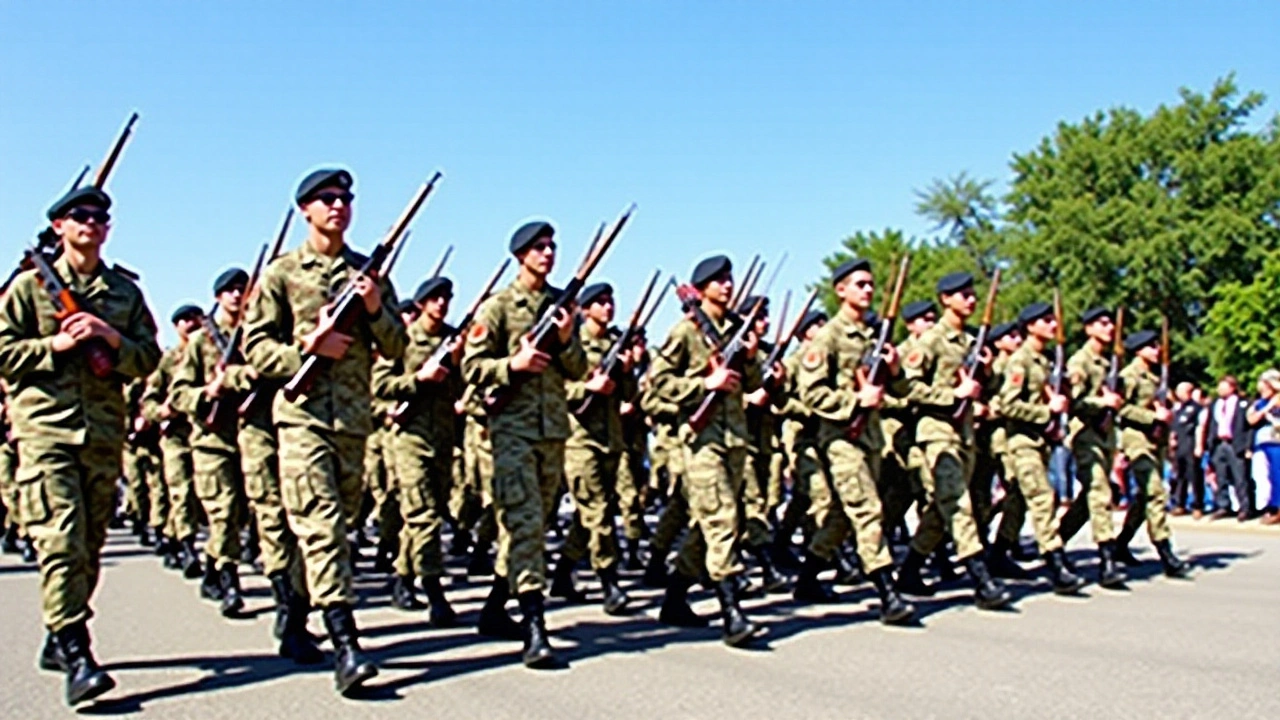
(1022, 401)
(431, 412)
(54, 396)
(1088, 372)
(286, 307)
(157, 394)
(193, 372)
(539, 410)
(600, 427)
(1138, 416)
(932, 368)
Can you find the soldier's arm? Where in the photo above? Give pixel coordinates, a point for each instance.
(186, 389)
(818, 390)
(21, 351)
(1084, 403)
(153, 396)
(572, 359)
(484, 361)
(1012, 403)
(139, 353)
(268, 329)
(390, 381)
(387, 328)
(1132, 411)
(668, 372)
(787, 399)
(924, 386)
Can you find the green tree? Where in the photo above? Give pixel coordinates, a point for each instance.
(1242, 325)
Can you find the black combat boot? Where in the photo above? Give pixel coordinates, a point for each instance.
(480, 565)
(403, 596)
(85, 680)
(1172, 565)
(655, 570)
(1003, 566)
(161, 545)
(27, 549)
(494, 620)
(631, 555)
(773, 579)
(909, 580)
(211, 584)
(893, 609)
(849, 569)
(460, 547)
(281, 590)
(250, 548)
(615, 600)
(189, 558)
(1123, 555)
(232, 595)
(440, 612)
(351, 669)
(384, 561)
(537, 648)
(9, 543)
(675, 604)
(942, 564)
(144, 534)
(782, 553)
(1064, 581)
(809, 589)
(296, 642)
(562, 582)
(737, 628)
(51, 658)
(1110, 574)
(988, 593)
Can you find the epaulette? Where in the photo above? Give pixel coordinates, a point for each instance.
(126, 272)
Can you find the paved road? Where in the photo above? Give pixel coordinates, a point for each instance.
(1204, 648)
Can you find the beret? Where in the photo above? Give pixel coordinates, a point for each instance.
(186, 311)
(321, 179)
(1140, 339)
(1033, 312)
(749, 302)
(230, 279)
(917, 309)
(810, 319)
(1003, 329)
(89, 195)
(709, 269)
(406, 306)
(955, 282)
(593, 292)
(1096, 313)
(431, 287)
(848, 267)
(528, 234)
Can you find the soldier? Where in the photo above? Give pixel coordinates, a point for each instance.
(69, 422)
(800, 439)
(1006, 338)
(528, 435)
(474, 502)
(898, 482)
(380, 493)
(322, 435)
(1093, 443)
(422, 446)
(144, 473)
(668, 466)
(684, 371)
(833, 391)
(633, 473)
(15, 540)
(175, 443)
(938, 381)
(1138, 417)
(1027, 404)
(593, 455)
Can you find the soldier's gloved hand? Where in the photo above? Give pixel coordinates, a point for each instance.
(369, 291)
(563, 320)
(529, 358)
(723, 378)
(600, 384)
(324, 340)
(870, 396)
(432, 371)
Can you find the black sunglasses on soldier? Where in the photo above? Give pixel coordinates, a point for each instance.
(84, 215)
(329, 198)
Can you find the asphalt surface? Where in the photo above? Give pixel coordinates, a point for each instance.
(1208, 647)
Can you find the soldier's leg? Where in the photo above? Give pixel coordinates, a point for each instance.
(177, 477)
(389, 508)
(519, 511)
(260, 465)
(9, 497)
(216, 476)
(753, 499)
(157, 492)
(896, 495)
(1151, 504)
(317, 504)
(626, 490)
(135, 488)
(1093, 502)
(1033, 485)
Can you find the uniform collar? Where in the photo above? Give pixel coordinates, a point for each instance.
(850, 326)
(92, 284)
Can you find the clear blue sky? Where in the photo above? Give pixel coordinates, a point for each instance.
(740, 126)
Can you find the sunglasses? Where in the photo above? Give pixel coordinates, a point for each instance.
(544, 245)
(84, 215)
(329, 198)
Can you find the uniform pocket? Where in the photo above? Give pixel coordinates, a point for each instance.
(33, 497)
(509, 488)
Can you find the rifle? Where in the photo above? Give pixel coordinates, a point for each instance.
(443, 354)
(738, 293)
(543, 333)
(348, 306)
(1112, 381)
(66, 303)
(444, 260)
(611, 365)
(223, 410)
(1162, 390)
(1057, 429)
(974, 360)
(253, 396)
(878, 372)
(109, 162)
(733, 355)
(783, 341)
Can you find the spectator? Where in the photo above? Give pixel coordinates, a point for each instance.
(1188, 475)
(1230, 442)
(1264, 416)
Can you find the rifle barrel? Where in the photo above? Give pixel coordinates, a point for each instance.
(109, 163)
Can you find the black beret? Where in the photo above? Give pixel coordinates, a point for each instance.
(80, 196)
(913, 310)
(709, 269)
(594, 292)
(186, 311)
(955, 282)
(1003, 329)
(1096, 313)
(810, 319)
(431, 287)
(230, 279)
(321, 179)
(750, 301)
(1033, 312)
(528, 234)
(1140, 339)
(406, 306)
(848, 267)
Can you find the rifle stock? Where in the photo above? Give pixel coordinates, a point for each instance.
(733, 356)
(1057, 428)
(877, 374)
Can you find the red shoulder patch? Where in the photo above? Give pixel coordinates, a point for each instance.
(1016, 377)
(478, 332)
(915, 357)
(813, 359)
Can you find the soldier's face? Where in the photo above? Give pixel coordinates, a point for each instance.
(1010, 343)
(762, 325)
(813, 329)
(84, 226)
(329, 210)
(962, 302)
(1044, 328)
(540, 258)
(921, 325)
(230, 300)
(719, 290)
(436, 307)
(857, 290)
(1150, 353)
(1103, 330)
(601, 310)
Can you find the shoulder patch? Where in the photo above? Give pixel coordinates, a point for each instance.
(914, 358)
(1016, 377)
(477, 333)
(812, 359)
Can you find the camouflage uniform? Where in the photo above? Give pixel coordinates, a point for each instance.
(1092, 447)
(175, 446)
(260, 466)
(69, 426)
(668, 461)
(762, 426)
(898, 483)
(142, 464)
(528, 434)
(8, 470)
(472, 502)
(810, 496)
(1025, 410)
(1137, 441)
(1014, 512)
(633, 474)
(322, 435)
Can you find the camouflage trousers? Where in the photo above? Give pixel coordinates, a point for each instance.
(1014, 514)
(424, 467)
(1151, 502)
(527, 475)
(898, 487)
(260, 464)
(712, 481)
(320, 486)
(66, 497)
(592, 474)
(850, 471)
(982, 488)
(1093, 503)
(380, 482)
(630, 479)
(219, 485)
(944, 477)
(1030, 484)
(471, 500)
(9, 485)
(144, 475)
(177, 478)
(753, 499)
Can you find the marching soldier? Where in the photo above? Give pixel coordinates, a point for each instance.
(808, 488)
(897, 482)
(669, 468)
(68, 421)
(144, 473)
(322, 435)
(1006, 338)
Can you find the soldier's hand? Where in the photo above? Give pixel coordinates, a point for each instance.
(890, 355)
(752, 344)
(459, 408)
(758, 397)
(140, 424)
(432, 371)
(723, 378)
(626, 408)
(324, 340)
(870, 396)
(600, 384)
(62, 342)
(1057, 403)
(779, 372)
(166, 412)
(563, 321)
(981, 410)
(369, 291)
(968, 389)
(1163, 414)
(1111, 399)
(213, 388)
(82, 326)
(529, 358)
